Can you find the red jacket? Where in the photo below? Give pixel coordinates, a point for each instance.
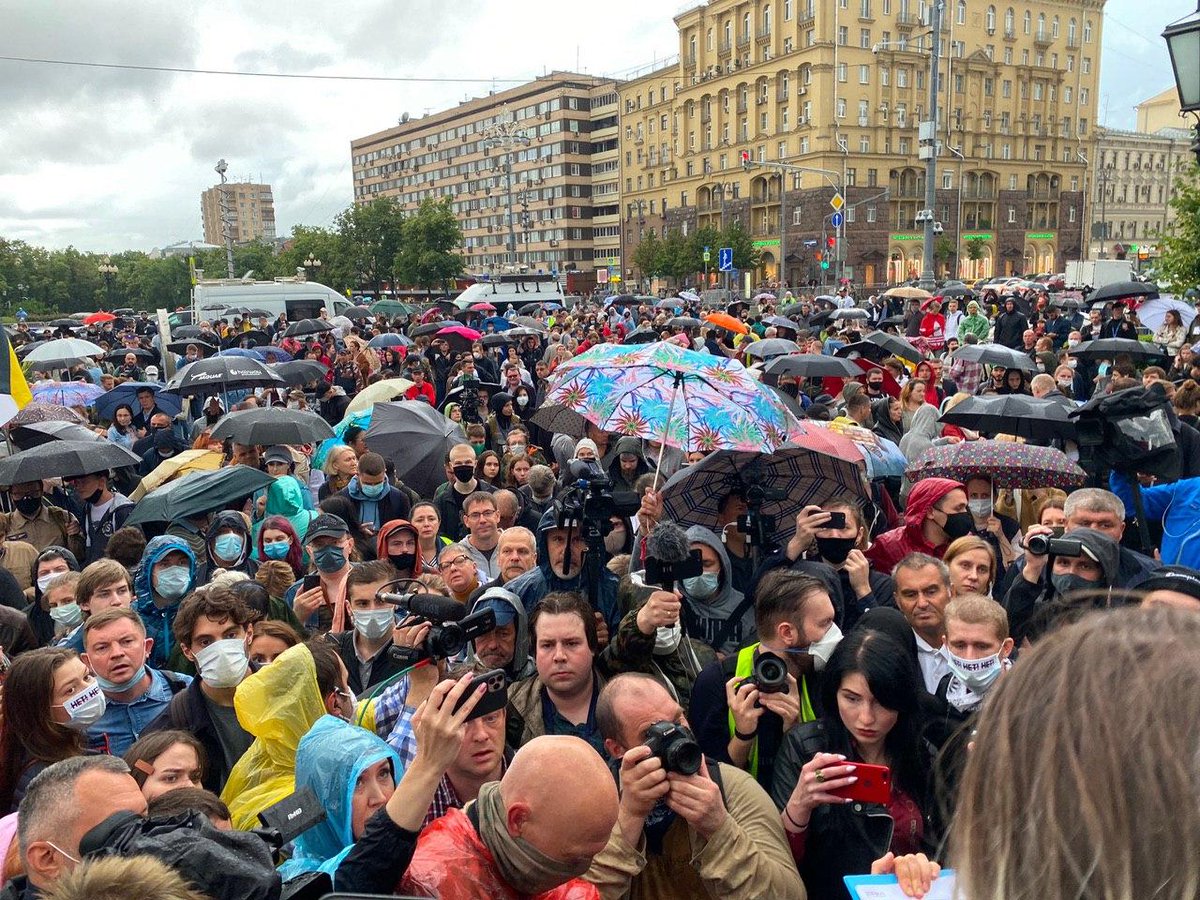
(892, 546)
(451, 862)
(425, 389)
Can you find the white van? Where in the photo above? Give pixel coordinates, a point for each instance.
(517, 289)
(297, 299)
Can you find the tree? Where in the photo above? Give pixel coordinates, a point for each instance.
(974, 251)
(428, 241)
(746, 256)
(676, 256)
(315, 242)
(649, 257)
(1179, 260)
(371, 235)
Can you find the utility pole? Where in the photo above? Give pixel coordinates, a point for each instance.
(958, 221)
(1102, 179)
(226, 211)
(928, 141)
(507, 135)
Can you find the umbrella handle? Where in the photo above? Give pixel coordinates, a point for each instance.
(662, 446)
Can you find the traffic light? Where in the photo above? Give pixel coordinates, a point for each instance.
(820, 256)
(824, 264)
(830, 242)
(745, 159)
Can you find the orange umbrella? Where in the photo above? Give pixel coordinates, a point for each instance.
(728, 322)
(96, 318)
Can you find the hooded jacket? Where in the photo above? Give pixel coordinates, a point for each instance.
(892, 546)
(160, 621)
(389, 528)
(541, 580)
(705, 619)
(522, 662)
(285, 497)
(230, 519)
(1177, 505)
(278, 704)
(621, 482)
(330, 759)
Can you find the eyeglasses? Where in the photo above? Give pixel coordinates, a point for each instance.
(481, 514)
(453, 563)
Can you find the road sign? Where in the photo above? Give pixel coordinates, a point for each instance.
(836, 219)
(810, 244)
(837, 202)
(725, 259)
(707, 255)
(602, 275)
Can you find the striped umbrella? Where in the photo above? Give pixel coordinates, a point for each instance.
(1005, 463)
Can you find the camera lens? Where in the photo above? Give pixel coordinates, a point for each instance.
(770, 674)
(1038, 544)
(683, 756)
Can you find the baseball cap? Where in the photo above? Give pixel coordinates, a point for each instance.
(152, 371)
(1173, 578)
(278, 453)
(500, 601)
(326, 525)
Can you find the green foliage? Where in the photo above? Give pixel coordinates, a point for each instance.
(974, 250)
(649, 257)
(1179, 262)
(429, 239)
(371, 237)
(943, 248)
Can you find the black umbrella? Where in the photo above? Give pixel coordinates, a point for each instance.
(25, 349)
(246, 340)
(958, 291)
(465, 315)
(300, 372)
(357, 313)
(118, 356)
(66, 323)
(272, 425)
(35, 434)
(498, 339)
(64, 459)
(1038, 420)
(199, 493)
(220, 373)
(1119, 290)
(684, 322)
(257, 313)
(812, 365)
(865, 349)
(641, 336)
(892, 321)
(623, 300)
(1071, 303)
(771, 347)
(781, 322)
(416, 438)
(189, 331)
(820, 318)
(306, 327)
(182, 346)
(897, 346)
(530, 322)
(1110, 348)
(431, 328)
(671, 303)
(996, 355)
(558, 419)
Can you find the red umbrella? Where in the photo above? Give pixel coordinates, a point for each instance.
(483, 307)
(459, 337)
(98, 317)
(891, 386)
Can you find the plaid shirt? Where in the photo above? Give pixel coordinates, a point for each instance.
(445, 798)
(393, 720)
(966, 374)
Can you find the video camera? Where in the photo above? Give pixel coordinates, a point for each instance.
(1048, 545)
(759, 527)
(452, 627)
(1130, 431)
(590, 502)
(469, 401)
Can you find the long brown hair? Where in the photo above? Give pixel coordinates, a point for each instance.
(1083, 778)
(28, 734)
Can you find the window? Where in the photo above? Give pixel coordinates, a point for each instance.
(960, 84)
(1087, 31)
(762, 123)
(1086, 66)
(766, 19)
(787, 10)
(1006, 89)
(849, 215)
(843, 35)
(1006, 151)
(803, 145)
(864, 38)
(1074, 182)
(784, 84)
(864, 9)
(1012, 182)
(1010, 21)
(1072, 32)
(863, 111)
(781, 150)
(708, 42)
(1012, 214)
(692, 47)
(1054, 28)
(947, 181)
(1008, 56)
(1037, 90)
(864, 144)
(991, 20)
(841, 72)
(1027, 22)
(851, 177)
(902, 78)
(746, 25)
(1041, 30)
(796, 216)
(960, 15)
(871, 213)
(864, 74)
(841, 107)
(787, 45)
(885, 76)
(1083, 96)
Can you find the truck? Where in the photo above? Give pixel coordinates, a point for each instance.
(295, 296)
(1094, 273)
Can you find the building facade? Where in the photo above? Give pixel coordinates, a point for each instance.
(1159, 112)
(838, 87)
(251, 213)
(1136, 176)
(537, 162)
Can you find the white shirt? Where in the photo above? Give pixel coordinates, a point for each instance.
(934, 665)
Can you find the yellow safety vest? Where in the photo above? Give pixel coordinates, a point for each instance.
(744, 669)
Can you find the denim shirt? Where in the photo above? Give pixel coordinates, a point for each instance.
(123, 723)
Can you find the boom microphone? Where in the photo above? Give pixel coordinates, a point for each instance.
(669, 557)
(433, 607)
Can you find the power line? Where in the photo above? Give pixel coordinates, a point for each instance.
(243, 74)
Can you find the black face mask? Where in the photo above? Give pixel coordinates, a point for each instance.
(28, 506)
(958, 524)
(464, 473)
(94, 497)
(835, 550)
(874, 387)
(403, 562)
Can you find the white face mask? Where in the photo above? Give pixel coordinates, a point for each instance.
(223, 664)
(666, 639)
(44, 581)
(374, 623)
(980, 509)
(86, 708)
(823, 649)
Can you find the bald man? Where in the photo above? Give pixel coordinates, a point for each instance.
(533, 833)
(683, 835)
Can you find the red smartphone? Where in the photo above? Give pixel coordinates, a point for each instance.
(874, 785)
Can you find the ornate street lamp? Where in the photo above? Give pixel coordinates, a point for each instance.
(1183, 43)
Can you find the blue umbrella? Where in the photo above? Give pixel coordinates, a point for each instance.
(106, 404)
(66, 393)
(259, 353)
(499, 323)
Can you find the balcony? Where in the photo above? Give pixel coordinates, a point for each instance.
(1010, 34)
(805, 17)
(1073, 43)
(724, 49)
(689, 63)
(1042, 38)
(743, 41)
(907, 20)
(764, 35)
(741, 106)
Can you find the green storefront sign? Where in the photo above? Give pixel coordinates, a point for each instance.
(1040, 236)
(979, 236)
(906, 237)
(774, 243)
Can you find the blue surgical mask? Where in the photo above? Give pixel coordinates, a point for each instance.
(330, 559)
(120, 687)
(977, 674)
(277, 549)
(702, 586)
(172, 582)
(228, 546)
(374, 491)
(68, 615)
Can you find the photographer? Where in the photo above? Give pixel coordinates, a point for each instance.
(743, 705)
(682, 833)
(1090, 563)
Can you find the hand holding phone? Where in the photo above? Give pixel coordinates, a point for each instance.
(496, 698)
(873, 785)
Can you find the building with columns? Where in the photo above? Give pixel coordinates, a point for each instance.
(838, 87)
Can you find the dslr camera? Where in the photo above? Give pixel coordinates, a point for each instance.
(675, 747)
(1048, 545)
(452, 628)
(769, 674)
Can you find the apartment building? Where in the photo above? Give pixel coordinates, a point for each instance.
(251, 213)
(531, 172)
(838, 87)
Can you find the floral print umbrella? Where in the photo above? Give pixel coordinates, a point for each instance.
(1004, 463)
(689, 400)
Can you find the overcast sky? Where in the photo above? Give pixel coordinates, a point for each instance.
(113, 159)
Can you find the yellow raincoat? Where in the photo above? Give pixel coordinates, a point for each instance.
(278, 704)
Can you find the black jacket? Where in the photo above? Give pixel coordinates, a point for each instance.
(1010, 326)
(383, 667)
(378, 859)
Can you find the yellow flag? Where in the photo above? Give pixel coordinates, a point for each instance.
(12, 379)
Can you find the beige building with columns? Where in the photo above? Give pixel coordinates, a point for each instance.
(840, 86)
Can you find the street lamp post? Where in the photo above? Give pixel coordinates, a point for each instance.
(507, 135)
(108, 270)
(928, 140)
(1183, 43)
(312, 267)
(226, 212)
(958, 220)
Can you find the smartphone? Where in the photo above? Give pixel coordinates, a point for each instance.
(495, 699)
(311, 580)
(874, 785)
(836, 520)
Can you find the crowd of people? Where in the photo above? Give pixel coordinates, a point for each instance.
(497, 685)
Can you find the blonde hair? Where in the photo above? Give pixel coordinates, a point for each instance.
(975, 609)
(966, 544)
(1083, 779)
(122, 878)
(276, 576)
